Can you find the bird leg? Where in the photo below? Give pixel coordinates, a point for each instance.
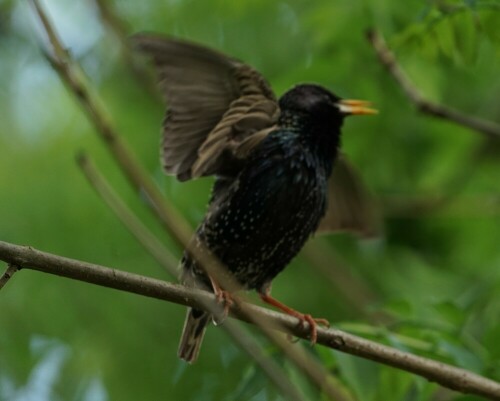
(222, 297)
(313, 323)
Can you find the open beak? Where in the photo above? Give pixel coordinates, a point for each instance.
(355, 107)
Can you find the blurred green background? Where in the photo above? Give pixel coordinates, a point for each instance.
(430, 285)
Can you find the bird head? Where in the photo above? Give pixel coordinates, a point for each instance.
(314, 101)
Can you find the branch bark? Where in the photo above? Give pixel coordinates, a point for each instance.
(488, 128)
(444, 374)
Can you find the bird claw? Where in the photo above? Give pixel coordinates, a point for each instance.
(313, 324)
(223, 297)
(322, 322)
(226, 300)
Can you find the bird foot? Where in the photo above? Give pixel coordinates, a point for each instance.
(224, 298)
(313, 324)
(226, 302)
(303, 318)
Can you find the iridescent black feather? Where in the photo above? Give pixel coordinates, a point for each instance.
(272, 161)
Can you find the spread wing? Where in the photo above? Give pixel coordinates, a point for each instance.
(218, 107)
(350, 206)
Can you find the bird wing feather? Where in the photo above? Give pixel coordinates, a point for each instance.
(350, 206)
(218, 107)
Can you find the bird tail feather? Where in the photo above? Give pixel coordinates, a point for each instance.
(192, 334)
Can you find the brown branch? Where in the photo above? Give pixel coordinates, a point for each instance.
(444, 374)
(163, 256)
(488, 128)
(74, 78)
(7, 275)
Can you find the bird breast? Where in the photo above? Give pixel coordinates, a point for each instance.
(259, 223)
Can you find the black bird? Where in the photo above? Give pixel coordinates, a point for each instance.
(279, 174)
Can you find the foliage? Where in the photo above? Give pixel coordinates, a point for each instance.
(434, 277)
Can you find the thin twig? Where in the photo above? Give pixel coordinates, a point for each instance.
(73, 77)
(387, 58)
(444, 374)
(7, 275)
(151, 243)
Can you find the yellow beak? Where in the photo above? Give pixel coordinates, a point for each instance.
(356, 107)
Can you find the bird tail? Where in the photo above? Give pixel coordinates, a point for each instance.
(192, 334)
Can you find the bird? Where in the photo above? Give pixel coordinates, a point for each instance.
(279, 174)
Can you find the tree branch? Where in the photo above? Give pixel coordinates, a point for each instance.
(444, 374)
(488, 128)
(74, 78)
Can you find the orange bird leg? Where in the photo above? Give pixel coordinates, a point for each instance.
(223, 297)
(313, 323)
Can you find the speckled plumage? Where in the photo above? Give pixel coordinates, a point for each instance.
(272, 161)
(258, 221)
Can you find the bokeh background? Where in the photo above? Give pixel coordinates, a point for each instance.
(430, 284)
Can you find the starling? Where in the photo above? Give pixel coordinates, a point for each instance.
(279, 176)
